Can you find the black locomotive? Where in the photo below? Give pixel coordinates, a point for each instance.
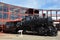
(43, 26)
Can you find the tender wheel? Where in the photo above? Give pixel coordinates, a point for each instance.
(5, 31)
(0, 29)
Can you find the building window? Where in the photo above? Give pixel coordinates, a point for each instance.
(13, 17)
(22, 11)
(21, 16)
(0, 15)
(11, 9)
(15, 10)
(5, 15)
(5, 8)
(0, 8)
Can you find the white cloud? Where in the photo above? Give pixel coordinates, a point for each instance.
(54, 7)
(24, 3)
(31, 4)
(40, 4)
(50, 4)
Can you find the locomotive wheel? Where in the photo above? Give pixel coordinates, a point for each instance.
(41, 31)
(53, 34)
(24, 30)
(53, 31)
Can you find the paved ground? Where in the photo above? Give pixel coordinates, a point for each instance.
(4, 36)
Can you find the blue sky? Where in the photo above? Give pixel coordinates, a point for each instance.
(38, 4)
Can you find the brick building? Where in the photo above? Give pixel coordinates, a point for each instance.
(11, 12)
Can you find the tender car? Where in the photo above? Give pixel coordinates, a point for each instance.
(10, 27)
